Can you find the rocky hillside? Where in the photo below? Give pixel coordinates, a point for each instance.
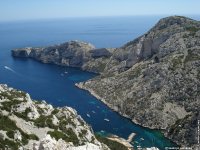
(73, 53)
(154, 79)
(29, 124)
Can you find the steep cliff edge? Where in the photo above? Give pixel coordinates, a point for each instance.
(158, 83)
(29, 124)
(154, 79)
(73, 53)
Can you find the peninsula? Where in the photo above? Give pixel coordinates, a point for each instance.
(154, 80)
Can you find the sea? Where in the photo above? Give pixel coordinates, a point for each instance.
(56, 84)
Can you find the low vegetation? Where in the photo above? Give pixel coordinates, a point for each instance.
(6, 124)
(66, 134)
(113, 145)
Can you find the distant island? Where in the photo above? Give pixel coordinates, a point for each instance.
(153, 80)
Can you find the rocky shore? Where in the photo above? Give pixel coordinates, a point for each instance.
(29, 124)
(80, 85)
(154, 79)
(36, 125)
(162, 90)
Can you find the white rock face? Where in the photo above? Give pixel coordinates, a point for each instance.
(33, 114)
(47, 108)
(28, 98)
(17, 135)
(55, 120)
(88, 146)
(24, 111)
(49, 143)
(153, 148)
(3, 134)
(1, 89)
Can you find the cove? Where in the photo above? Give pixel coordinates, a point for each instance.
(51, 83)
(45, 82)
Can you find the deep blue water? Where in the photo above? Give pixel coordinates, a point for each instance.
(44, 81)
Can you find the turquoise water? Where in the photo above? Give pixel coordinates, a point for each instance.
(44, 81)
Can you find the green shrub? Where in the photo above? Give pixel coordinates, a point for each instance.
(10, 134)
(7, 105)
(65, 121)
(23, 115)
(45, 121)
(192, 29)
(191, 56)
(40, 122)
(50, 124)
(134, 73)
(4, 144)
(177, 62)
(33, 137)
(57, 135)
(113, 145)
(55, 111)
(12, 94)
(71, 136)
(82, 133)
(8, 125)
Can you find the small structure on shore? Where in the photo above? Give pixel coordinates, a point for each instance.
(130, 137)
(122, 141)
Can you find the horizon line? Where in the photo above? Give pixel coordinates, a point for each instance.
(85, 17)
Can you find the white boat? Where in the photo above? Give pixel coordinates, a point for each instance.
(66, 72)
(93, 112)
(6, 67)
(106, 119)
(88, 115)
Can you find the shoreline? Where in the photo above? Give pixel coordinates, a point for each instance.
(81, 86)
(122, 141)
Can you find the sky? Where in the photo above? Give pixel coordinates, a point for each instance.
(11, 10)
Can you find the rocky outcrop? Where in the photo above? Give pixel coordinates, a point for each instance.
(50, 143)
(29, 124)
(154, 79)
(73, 53)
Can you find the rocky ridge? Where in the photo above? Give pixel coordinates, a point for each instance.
(157, 83)
(154, 79)
(29, 124)
(73, 53)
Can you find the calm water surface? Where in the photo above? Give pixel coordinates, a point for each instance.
(44, 81)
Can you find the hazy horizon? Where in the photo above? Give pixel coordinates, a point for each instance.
(11, 10)
(195, 17)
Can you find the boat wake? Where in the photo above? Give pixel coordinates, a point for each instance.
(10, 69)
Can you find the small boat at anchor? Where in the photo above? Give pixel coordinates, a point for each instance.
(106, 119)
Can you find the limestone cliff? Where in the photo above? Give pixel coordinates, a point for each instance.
(73, 53)
(29, 124)
(154, 79)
